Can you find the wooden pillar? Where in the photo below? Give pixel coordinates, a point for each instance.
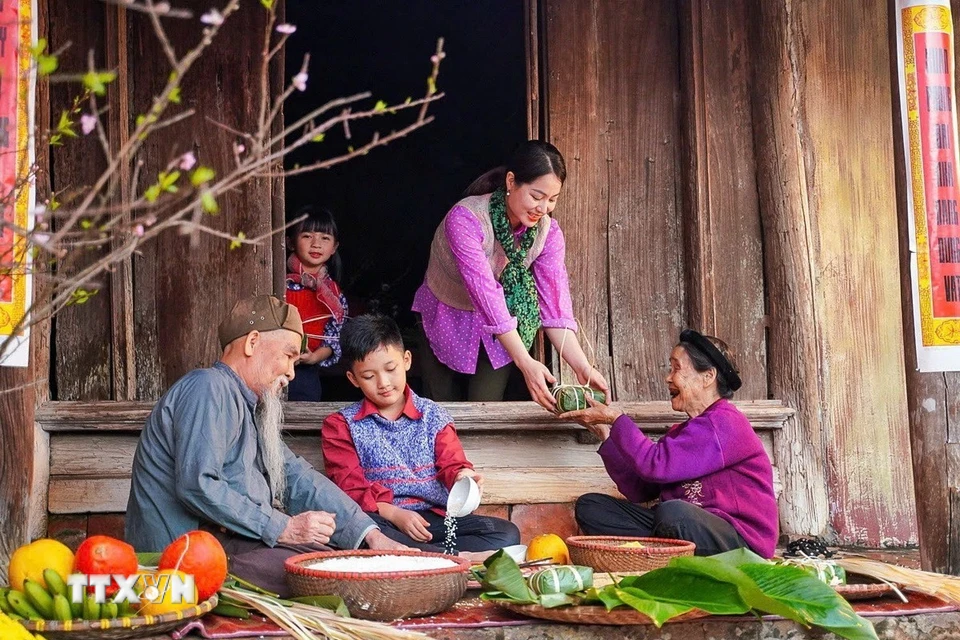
(24, 447)
(824, 150)
(934, 411)
(721, 217)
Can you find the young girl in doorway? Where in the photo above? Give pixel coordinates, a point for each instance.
(313, 269)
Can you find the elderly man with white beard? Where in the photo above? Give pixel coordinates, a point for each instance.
(211, 457)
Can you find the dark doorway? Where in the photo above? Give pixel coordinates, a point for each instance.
(389, 202)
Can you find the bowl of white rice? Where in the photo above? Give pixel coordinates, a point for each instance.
(381, 585)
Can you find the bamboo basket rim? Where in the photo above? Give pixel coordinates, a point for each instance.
(136, 624)
(652, 546)
(294, 565)
(593, 614)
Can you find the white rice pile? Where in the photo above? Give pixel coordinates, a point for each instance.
(372, 564)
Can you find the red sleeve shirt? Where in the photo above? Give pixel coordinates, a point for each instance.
(342, 464)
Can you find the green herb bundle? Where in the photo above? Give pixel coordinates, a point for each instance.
(731, 583)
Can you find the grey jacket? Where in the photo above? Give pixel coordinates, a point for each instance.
(197, 460)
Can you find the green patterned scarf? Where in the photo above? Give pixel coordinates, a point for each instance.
(518, 286)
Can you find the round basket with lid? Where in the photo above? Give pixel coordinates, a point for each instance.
(382, 594)
(623, 553)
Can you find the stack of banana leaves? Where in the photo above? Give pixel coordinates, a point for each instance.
(732, 583)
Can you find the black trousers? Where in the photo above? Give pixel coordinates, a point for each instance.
(255, 562)
(600, 515)
(474, 533)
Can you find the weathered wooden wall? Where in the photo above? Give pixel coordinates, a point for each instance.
(612, 96)
(177, 286)
(723, 246)
(823, 112)
(730, 168)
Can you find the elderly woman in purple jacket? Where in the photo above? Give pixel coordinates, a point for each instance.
(710, 473)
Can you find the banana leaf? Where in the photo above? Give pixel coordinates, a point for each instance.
(696, 590)
(148, 558)
(503, 580)
(658, 612)
(784, 591)
(563, 579)
(826, 571)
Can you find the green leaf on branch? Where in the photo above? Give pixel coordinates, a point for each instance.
(431, 86)
(237, 242)
(152, 193)
(81, 296)
(97, 81)
(209, 203)
(202, 175)
(318, 138)
(166, 183)
(175, 95)
(380, 106)
(65, 125)
(268, 4)
(46, 63)
(86, 224)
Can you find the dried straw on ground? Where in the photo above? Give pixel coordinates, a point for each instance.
(934, 584)
(304, 622)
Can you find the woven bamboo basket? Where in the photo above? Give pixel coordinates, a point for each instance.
(385, 595)
(118, 628)
(592, 614)
(606, 553)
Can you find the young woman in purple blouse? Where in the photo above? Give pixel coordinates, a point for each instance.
(710, 473)
(496, 276)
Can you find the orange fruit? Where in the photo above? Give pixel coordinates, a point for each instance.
(200, 554)
(163, 596)
(30, 560)
(106, 555)
(548, 545)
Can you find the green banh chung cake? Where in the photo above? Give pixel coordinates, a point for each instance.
(572, 397)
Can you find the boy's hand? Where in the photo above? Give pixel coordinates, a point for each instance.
(377, 540)
(412, 524)
(470, 473)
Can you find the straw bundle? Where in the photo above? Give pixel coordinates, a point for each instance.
(304, 621)
(934, 584)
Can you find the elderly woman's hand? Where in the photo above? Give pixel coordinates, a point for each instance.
(597, 418)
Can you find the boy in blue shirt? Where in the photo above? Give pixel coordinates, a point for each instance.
(397, 454)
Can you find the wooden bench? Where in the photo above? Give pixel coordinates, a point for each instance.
(526, 455)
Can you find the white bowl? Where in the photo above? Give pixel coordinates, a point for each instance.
(516, 551)
(464, 497)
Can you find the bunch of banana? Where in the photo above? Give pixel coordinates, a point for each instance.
(53, 603)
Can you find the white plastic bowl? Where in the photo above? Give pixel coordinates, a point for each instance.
(516, 551)
(464, 497)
